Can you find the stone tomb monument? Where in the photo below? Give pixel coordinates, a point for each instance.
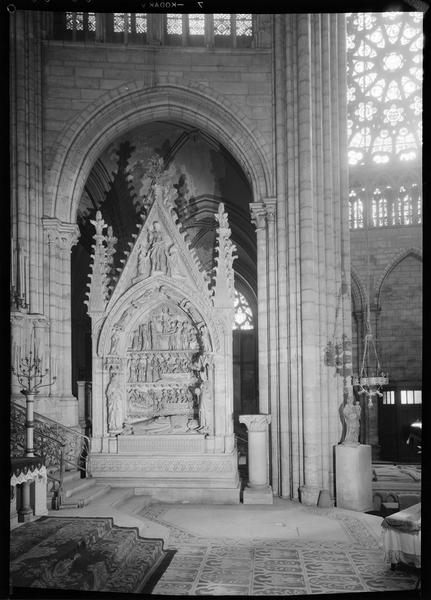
(162, 362)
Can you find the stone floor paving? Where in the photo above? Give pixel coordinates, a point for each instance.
(257, 566)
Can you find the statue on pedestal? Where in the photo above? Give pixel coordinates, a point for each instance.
(352, 416)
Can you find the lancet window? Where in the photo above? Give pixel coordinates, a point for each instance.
(243, 313)
(385, 117)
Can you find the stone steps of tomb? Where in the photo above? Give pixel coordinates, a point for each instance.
(134, 504)
(84, 497)
(80, 492)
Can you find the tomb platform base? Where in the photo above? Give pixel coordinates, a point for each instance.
(170, 476)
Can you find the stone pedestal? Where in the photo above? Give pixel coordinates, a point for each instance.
(354, 477)
(258, 490)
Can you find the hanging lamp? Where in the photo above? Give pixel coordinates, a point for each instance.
(371, 376)
(370, 380)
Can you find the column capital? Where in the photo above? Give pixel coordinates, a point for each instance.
(64, 235)
(264, 211)
(258, 214)
(255, 422)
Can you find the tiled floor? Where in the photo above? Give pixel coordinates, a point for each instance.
(284, 549)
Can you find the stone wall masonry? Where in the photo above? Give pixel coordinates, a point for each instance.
(381, 247)
(391, 255)
(77, 74)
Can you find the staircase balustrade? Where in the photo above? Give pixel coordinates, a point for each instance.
(62, 448)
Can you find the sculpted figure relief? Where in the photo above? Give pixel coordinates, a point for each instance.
(143, 260)
(114, 397)
(98, 224)
(158, 251)
(115, 340)
(162, 378)
(203, 392)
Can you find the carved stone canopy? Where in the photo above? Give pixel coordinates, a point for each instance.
(160, 330)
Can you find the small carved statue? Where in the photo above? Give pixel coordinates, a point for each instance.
(158, 251)
(142, 262)
(352, 415)
(115, 340)
(205, 338)
(99, 224)
(174, 261)
(114, 397)
(146, 336)
(202, 396)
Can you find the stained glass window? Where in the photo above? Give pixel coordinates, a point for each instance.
(120, 21)
(174, 24)
(141, 23)
(75, 21)
(197, 24)
(79, 21)
(132, 22)
(243, 313)
(356, 210)
(384, 87)
(243, 25)
(222, 24)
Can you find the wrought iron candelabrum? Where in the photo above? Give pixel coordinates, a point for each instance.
(30, 376)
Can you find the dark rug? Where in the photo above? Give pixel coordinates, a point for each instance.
(85, 554)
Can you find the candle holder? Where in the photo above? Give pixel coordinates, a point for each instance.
(30, 376)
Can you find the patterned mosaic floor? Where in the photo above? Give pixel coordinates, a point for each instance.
(257, 566)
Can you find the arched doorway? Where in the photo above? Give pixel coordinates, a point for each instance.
(204, 174)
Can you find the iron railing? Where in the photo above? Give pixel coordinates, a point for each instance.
(62, 448)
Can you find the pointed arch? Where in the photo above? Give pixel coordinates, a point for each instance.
(358, 291)
(399, 257)
(135, 103)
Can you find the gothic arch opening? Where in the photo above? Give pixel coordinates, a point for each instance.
(204, 174)
(400, 346)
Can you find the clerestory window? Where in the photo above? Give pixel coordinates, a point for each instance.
(80, 25)
(193, 29)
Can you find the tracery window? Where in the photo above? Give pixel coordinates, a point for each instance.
(130, 22)
(174, 24)
(244, 25)
(384, 115)
(243, 313)
(80, 22)
(197, 24)
(222, 24)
